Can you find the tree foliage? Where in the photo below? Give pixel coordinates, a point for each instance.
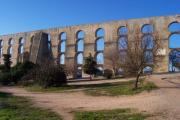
(90, 66)
(7, 62)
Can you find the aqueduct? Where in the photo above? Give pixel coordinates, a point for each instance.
(74, 43)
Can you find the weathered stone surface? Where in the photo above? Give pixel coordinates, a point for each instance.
(111, 36)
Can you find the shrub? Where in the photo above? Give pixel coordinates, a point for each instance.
(2, 67)
(20, 70)
(50, 75)
(108, 73)
(5, 78)
(28, 79)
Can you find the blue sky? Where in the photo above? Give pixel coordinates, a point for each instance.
(28, 15)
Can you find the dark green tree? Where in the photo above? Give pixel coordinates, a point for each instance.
(7, 62)
(5, 74)
(90, 66)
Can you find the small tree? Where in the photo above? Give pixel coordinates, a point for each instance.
(141, 52)
(90, 66)
(5, 74)
(7, 62)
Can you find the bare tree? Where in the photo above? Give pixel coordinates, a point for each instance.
(142, 51)
(69, 68)
(113, 59)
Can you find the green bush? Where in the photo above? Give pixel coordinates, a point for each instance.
(20, 70)
(2, 67)
(108, 73)
(5, 78)
(50, 76)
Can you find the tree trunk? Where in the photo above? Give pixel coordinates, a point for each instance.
(137, 80)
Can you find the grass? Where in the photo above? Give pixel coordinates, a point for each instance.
(36, 88)
(121, 89)
(118, 114)
(20, 108)
(105, 89)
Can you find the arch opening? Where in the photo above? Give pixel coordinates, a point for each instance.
(1, 48)
(174, 61)
(122, 43)
(147, 42)
(62, 47)
(100, 44)
(80, 41)
(63, 36)
(21, 46)
(100, 58)
(147, 28)
(79, 59)
(123, 30)
(62, 59)
(49, 42)
(174, 45)
(174, 41)
(10, 46)
(174, 27)
(100, 32)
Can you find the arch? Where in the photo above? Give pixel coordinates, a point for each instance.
(49, 42)
(1, 48)
(100, 32)
(174, 27)
(148, 41)
(174, 41)
(148, 70)
(21, 46)
(122, 43)
(80, 41)
(123, 30)
(100, 44)
(79, 59)
(10, 46)
(63, 36)
(174, 60)
(21, 40)
(100, 58)
(147, 28)
(11, 41)
(62, 43)
(62, 59)
(80, 34)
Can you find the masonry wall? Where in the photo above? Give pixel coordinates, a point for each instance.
(111, 36)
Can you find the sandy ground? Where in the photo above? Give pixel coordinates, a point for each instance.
(164, 103)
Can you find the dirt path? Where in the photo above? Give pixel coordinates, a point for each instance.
(165, 100)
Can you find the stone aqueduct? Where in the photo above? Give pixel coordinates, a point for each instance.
(63, 42)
